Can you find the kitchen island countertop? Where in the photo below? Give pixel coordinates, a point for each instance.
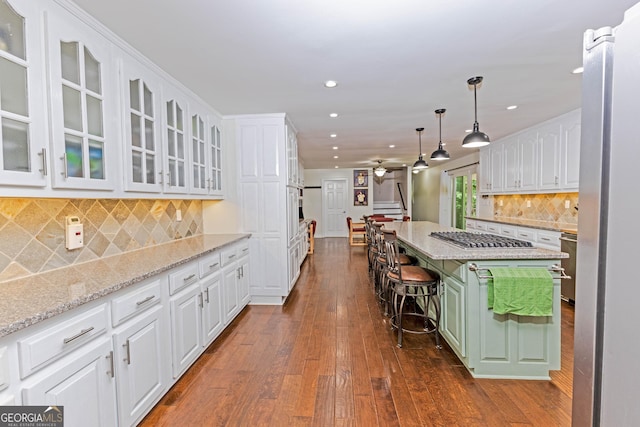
(32, 299)
(417, 235)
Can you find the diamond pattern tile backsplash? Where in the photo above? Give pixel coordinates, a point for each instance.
(543, 207)
(32, 230)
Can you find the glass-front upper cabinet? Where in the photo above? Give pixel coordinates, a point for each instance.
(174, 172)
(215, 156)
(84, 118)
(199, 143)
(142, 127)
(23, 156)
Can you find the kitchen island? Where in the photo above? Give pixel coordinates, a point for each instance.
(490, 345)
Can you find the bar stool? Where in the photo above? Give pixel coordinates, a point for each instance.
(372, 249)
(380, 277)
(416, 283)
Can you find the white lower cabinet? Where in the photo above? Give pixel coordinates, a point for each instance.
(139, 349)
(82, 382)
(186, 338)
(110, 361)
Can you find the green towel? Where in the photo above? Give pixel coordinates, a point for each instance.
(522, 291)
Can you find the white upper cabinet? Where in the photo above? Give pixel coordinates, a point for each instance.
(200, 141)
(141, 106)
(175, 123)
(292, 156)
(543, 158)
(84, 119)
(23, 126)
(215, 157)
(549, 147)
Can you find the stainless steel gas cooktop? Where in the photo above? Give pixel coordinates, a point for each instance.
(469, 240)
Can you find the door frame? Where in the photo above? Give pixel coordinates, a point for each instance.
(325, 214)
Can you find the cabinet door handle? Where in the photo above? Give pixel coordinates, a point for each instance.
(149, 298)
(128, 358)
(232, 256)
(206, 295)
(111, 370)
(65, 170)
(169, 181)
(238, 273)
(213, 265)
(43, 153)
(546, 239)
(242, 271)
(78, 335)
(189, 277)
(200, 303)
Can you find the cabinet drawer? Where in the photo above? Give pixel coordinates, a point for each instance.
(509, 231)
(470, 224)
(183, 278)
(481, 225)
(242, 249)
(527, 234)
(209, 264)
(228, 255)
(493, 228)
(455, 269)
(134, 302)
(38, 350)
(549, 239)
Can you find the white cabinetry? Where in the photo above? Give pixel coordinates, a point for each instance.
(140, 345)
(185, 304)
(543, 158)
(84, 119)
(266, 211)
(520, 159)
(22, 110)
(141, 108)
(83, 383)
(236, 280)
(547, 239)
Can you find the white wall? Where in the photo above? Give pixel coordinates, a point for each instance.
(385, 189)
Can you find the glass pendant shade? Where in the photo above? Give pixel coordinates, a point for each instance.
(380, 170)
(475, 138)
(440, 153)
(420, 164)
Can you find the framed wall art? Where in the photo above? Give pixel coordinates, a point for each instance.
(360, 197)
(360, 178)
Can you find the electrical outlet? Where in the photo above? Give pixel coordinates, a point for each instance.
(178, 215)
(500, 202)
(528, 203)
(567, 204)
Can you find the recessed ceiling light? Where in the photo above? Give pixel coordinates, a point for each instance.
(335, 157)
(404, 165)
(335, 148)
(392, 146)
(467, 130)
(333, 115)
(330, 83)
(512, 107)
(336, 167)
(578, 70)
(333, 135)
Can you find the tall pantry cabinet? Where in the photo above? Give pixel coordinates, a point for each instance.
(264, 163)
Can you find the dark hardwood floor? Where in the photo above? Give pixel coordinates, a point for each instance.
(328, 358)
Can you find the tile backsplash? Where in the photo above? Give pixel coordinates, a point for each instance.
(32, 230)
(542, 207)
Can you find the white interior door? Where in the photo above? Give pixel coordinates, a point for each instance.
(334, 207)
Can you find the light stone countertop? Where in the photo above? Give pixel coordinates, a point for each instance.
(416, 234)
(532, 223)
(32, 299)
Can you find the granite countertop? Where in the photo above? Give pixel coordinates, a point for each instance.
(417, 235)
(532, 223)
(32, 299)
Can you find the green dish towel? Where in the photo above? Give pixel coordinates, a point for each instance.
(522, 291)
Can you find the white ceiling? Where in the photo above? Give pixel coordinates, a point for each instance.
(395, 63)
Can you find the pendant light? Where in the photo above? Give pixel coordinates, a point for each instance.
(440, 153)
(475, 138)
(380, 170)
(419, 164)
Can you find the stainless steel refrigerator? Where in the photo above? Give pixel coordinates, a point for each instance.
(607, 317)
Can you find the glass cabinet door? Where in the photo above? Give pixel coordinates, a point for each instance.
(23, 158)
(215, 169)
(175, 165)
(199, 142)
(83, 97)
(142, 107)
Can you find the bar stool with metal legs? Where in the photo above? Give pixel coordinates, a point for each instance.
(381, 283)
(410, 285)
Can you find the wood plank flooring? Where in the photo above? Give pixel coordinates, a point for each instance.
(329, 358)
